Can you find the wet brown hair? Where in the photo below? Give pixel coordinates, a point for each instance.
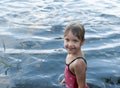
(77, 29)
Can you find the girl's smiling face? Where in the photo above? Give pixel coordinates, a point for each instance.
(72, 43)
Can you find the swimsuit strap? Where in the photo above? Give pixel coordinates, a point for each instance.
(76, 59)
(73, 61)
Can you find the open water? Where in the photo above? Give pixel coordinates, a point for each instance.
(31, 41)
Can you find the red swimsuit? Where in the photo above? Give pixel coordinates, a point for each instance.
(70, 78)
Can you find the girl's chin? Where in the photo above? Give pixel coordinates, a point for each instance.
(70, 52)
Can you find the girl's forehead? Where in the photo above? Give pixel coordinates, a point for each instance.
(70, 35)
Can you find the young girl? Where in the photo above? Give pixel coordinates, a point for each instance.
(75, 69)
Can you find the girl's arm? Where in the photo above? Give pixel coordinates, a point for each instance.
(80, 72)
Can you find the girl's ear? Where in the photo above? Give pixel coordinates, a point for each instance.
(82, 42)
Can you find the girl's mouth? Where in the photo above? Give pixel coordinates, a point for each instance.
(70, 49)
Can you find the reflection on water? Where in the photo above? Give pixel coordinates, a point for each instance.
(31, 42)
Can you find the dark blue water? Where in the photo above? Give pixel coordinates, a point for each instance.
(31, 42)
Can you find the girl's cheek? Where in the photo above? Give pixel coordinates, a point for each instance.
(65, 45)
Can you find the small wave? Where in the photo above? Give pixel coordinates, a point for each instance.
(105, 46)
(15, 51)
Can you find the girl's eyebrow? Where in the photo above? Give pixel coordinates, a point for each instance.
(66, 38)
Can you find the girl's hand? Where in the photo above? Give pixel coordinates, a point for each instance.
(62, 82)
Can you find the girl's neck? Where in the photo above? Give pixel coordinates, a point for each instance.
(80, 54)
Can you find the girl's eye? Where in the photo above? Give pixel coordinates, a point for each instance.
(67, 40)
(75, 40)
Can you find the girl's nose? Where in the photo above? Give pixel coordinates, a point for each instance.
(70, 43)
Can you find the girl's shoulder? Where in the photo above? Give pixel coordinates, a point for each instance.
(80, 62)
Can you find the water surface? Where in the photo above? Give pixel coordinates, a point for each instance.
(31, 42)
